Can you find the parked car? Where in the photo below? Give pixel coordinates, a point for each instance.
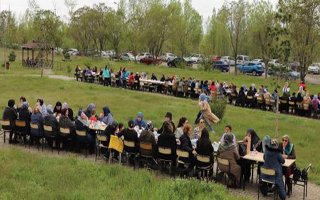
(252, 68)
(242, 59)
(176, 62)
(228, 59)
(127, 57)
(293, 75)
(215, 58)
(221, 65)
(274, 62)
(195, 58)
(149, 60)
(142, 55)
(258, 60)
(73, 52)
(314, 69)
(108, 54)
(167, 57)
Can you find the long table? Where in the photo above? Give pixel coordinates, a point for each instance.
(258, 157)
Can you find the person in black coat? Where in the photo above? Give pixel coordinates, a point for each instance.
(25, 115)
(10, 114)
(167, 140)
(204, 146)
(129, 134)
(168, 118)
(186, 145)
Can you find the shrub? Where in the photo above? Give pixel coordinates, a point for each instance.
(66, 56)
(218, 107)
(12, 56)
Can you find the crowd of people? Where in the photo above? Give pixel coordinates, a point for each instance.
(195, 141)
(300, 102)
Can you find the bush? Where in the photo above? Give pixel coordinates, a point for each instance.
(218, 107)
(66, 56)
(12, 56)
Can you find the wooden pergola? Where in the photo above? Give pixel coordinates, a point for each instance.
(37, 46)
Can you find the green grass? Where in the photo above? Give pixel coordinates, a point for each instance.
(124, 105)
(33, 176)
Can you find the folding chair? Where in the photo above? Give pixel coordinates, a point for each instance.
(115, 144)
(100, 139)
(146, 153)
(64, 136)
(49, 134)
(35, 128)
(182, 166)
(21, 130)
(82, 135)
(303, 180)
(226, 175)
(272, 174)
(129, 148)
(5, 128)
(204, 166)
(165, 159)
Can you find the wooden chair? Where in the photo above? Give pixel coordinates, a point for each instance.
(272, 174)
(5, 124)
(165, 160)
(34, 127)
(82, 134)
(303, 181)
(100, 139)
(204, 165)
(129, 147)
(226, 175)
(64, 135)
(49, 135)
(181, 165)
(146, 153)
(21, 130)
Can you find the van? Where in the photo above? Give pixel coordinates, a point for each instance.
(242, 59)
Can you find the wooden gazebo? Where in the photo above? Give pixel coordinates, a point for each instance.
(36, 61)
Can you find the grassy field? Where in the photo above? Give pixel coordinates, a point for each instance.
(67, 68)
(32, 176)
(124, 105)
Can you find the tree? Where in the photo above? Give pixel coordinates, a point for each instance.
(236, 26)
(8, 28)
(303, 27)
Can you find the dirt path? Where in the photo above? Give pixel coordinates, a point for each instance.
(251, 189)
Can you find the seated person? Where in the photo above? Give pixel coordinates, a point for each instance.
(139, 121)
(57, 109)
(25, 115)
(51, 120)
(228, 129)
(204, 146)
(81, 124)
(186, 145)
(65, 122)
(10, 114)
(147, 136)
(179, 131)
(167, 140)
(198, 130)
(107, 117)
(227, 150)
(273, 159)
(129, 134)
(37, 118)
(288, 152)
(91, 112)
(168, 118)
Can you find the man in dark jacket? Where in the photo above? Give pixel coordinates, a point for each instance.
(131, 135)
(10, 114)
(168, 118)
(51, 120)
(168, 140)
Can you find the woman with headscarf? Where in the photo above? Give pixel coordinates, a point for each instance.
(274, 160)
(70, 111)
(24, 114)
(107, 117)
(91, 111)
(227, 150)
(81, 124)
(37, 118)
(206, 112)
(51, 120)
(167, 140)
(288, 152)
(139, 121)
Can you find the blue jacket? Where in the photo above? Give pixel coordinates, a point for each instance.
(141, 124)
(37, 119)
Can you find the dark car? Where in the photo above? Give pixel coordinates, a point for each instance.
(176, 62)
(221, 65)
(149, 60)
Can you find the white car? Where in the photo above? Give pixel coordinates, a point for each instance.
(242, 59)
(314, 69)
(228, 60)
(142, 55)
(168, 56)
(196, 58)
(73, 52)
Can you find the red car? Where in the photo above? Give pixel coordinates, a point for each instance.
(149, 60)
(215, 58)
